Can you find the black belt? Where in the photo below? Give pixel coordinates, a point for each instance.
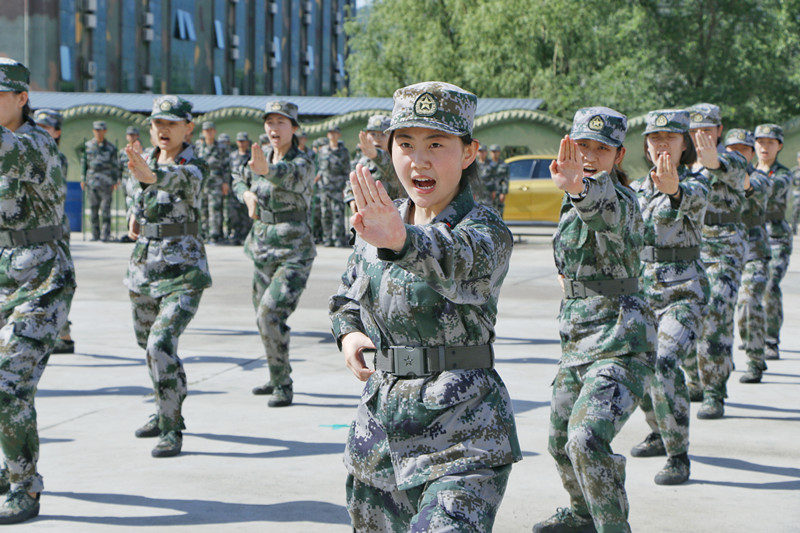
(776, 216)
(268, 217)
(420, 361)
(574, 288)
(752, 221)
(653, 254)
(159, 231)
(24, 237)
(715, 219)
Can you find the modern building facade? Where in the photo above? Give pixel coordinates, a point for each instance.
(248, 47)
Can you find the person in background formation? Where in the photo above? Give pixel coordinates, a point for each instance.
(50, 121)
(239, 223)
(499, 173)
(421, 288)
(608, 333)
(722, 253)
(480, 184)
(750, 305)
(215, 188)
(373, 154)
(302, 140)
(769, 142)
(796, 193)
(100, 178)
(334, 164)
(316, 200)
(129, 183)
(276, 188)
(37, 282)
(168, 269)
(673, 202)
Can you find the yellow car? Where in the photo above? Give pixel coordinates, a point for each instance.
(532, 195)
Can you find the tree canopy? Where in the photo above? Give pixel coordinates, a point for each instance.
(631, 55)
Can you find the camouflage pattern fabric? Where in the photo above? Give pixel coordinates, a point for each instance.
(590, 405)
(37, 282)
(607, 345)
(436, 105)
(334, 168)
(600, 124)
(677, 292)
(459, 503)
(780, 243)
(499, 184)
(158, 323)
(239, 223)
(409, 433)
(211, 213)
(381, 169)
(795, 198)
(102, 173)
(481, 184)
(282, 253)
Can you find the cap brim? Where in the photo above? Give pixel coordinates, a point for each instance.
(169, 116)
(431, 125)
(281, 113)
(697, 125)
(597, 137)
(668, 130)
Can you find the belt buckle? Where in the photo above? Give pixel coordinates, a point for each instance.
(409, 361)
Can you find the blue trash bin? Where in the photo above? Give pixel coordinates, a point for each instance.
(74, 205)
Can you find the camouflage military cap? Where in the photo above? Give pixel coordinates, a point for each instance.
(378, 123)
(99, 125)
(224, 137)
(208, 125)
(319, 142)
(242, 136)
(435, 105)
(482, 148)
(494, 148)
(262, 139)
(739, 136)
(281, 107)
(48, 117)
(670, 120)
(704, 116)
(171, 107)
(132, 130)
(335, 128)
(769, 131)
(14, 76)
(600, 124)
(302, 134)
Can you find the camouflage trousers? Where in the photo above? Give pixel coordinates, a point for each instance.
(666, 400)
(752, 317)
(715, 347)
(211, 213)
(239, 223)
(316, 217)
(465, 502)
(100, 207)
(773, 296)
(276, 291)
(332, 218)
(158, 323)
(28, 333)
(590, 405)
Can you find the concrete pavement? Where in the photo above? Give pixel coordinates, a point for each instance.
(246, 466)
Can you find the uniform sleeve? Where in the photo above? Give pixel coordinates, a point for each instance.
(694, 198)
(182, 180)
(463, 264)
(242, 177)
(290, 175)
(502, 179)
(731, 171)
(24, 157)
(344, 309)
(602, 209)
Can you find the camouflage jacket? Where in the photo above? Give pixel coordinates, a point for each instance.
(725, 195)
(102, 165)
(600, 238)
(334, 167)
(32, 194)
(237, 163)
(217, 161)
(755, 214)
(779, 203)
(667, 225)
(441, 289)
(286, 188)
(499, 176)
(481, 184)
(382, 170)
(162, 266)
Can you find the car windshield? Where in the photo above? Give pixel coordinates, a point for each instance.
(524, 169)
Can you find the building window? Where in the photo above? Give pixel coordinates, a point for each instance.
(217, 85)
(220, 35)
(184, 27)
(66, 64)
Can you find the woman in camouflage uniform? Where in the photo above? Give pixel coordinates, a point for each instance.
(276, 188)
(168, 270)
(37, 282)
(434, 437)
(673, 204)
(607, 329)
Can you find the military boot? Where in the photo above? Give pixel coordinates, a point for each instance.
(675, 472)
(771, 352)
(711, 409)
(150, 429)
(64, 346)
(263, 390)
(695, 391)
(651, 446)
(19, 507)
(169, 444)
(281, 396)
(566, 521)
(753, 374)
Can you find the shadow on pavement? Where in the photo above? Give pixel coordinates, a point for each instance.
(747, 466)
(201, 512)
(519, 340)
(521, 406)
(529, 360)
(287, 448)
